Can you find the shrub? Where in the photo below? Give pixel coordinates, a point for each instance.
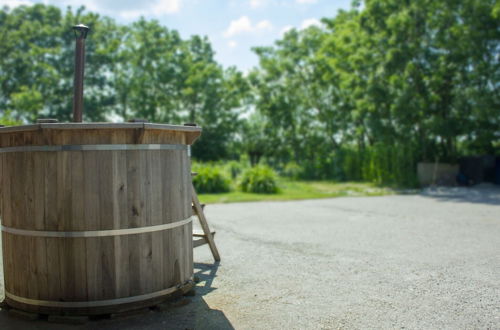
(210, 179)
(234, 168)
(260, 179)
(292, 170)
(7, 120)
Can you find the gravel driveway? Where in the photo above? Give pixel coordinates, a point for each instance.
(427, 261)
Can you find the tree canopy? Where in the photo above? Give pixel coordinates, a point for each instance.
(366, 95)
(142, 70)
(398, 75)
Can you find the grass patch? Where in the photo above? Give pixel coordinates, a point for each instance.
(294, 190)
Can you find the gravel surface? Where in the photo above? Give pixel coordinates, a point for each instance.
(425, 261)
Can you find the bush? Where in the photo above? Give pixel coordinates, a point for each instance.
(234, 168)
(7, 120)
(292, 170)
(210, 179)
(260, 179)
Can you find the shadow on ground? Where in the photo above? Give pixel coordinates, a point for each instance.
(194, 315)
(481, 194)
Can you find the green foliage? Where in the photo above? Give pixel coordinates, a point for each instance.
(384, 164)
(347, 101)
(28, 99)
(259, 179)
(255, 142)
(366, 96)
(7, 120)
(141, 70)
(210, 179)
(292, 170)
(235, 168)
(36, 62)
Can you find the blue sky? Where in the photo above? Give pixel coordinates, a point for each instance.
(233, 26)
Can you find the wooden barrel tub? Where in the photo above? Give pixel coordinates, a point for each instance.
(96, 218)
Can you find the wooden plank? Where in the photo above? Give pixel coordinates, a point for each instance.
(196, 234)
(69, 126)
(85, 126)
(199, 242)
(40, 248)
(92, 220)
(20, 271)
(186, 241)
(175, 198)
(145, 240)
(135, 218)
(168, 216)
(19, 261)
(22, 128)
(106, 209)
(77, 248)
(64, 206)
(30, 222)
(7, 262)
(204, 225)
(7, 244)
(120, 220)
(157, 218)
(50, 220)
(169, 127)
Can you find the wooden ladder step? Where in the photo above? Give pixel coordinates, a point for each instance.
(201, 234)
(202, 240)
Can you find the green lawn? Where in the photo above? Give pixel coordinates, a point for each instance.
(291, 190)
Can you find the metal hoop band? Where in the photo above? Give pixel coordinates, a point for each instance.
(92, 303)
(95, 147)
(95, 233)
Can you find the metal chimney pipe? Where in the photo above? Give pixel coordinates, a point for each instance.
(80, 34)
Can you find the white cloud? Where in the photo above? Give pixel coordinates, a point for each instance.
(131, 14)
(306, 2)
(310, 22)
(244, 25)
(240, 25)
(90, 5)
(128, 9)
(14, 3)
(264, 25)
(258, 3)
(232, 44)
(167, 6)
(157, 8)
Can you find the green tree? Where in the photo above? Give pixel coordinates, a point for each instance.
(141, 70)
(212, 97)
(37, 55)
(388, 76)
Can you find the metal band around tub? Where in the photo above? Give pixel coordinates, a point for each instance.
(93, 303)
(95, 147)
(95, 233)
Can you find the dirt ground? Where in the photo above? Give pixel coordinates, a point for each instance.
(422, 261)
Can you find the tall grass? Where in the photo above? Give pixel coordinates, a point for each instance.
(380, 164)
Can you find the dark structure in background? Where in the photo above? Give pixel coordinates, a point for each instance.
(479, 169)
(497, 171)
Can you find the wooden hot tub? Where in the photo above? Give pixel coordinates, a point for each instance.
(96, 218)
